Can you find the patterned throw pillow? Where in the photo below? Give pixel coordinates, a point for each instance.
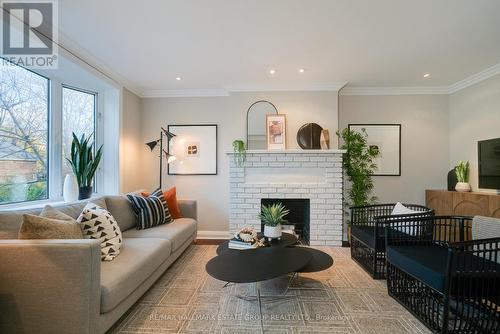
(159, 193)
(98, 223)
(149, 211)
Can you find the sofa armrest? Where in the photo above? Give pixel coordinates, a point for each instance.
(49, 286)
(188, 208)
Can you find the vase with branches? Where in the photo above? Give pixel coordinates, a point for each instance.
(84, 164)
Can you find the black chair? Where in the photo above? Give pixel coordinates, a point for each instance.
(449, 282)
(367, 234)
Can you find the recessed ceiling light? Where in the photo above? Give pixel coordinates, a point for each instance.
(301, 70)
(178, 78)
(273, 71)
(426, 75)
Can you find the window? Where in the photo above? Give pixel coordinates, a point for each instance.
(78, 116)
(24, 135)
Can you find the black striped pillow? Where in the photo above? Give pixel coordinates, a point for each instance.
(149, 211)
(159, 193)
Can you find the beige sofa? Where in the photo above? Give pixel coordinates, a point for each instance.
(61, 286)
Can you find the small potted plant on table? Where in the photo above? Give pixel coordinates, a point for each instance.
(272, 216)
(462, 171)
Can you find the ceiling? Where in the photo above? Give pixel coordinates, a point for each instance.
(232, 44)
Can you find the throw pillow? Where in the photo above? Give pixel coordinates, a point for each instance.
(50, 212)
(149, 211)
(158, 193)
(173, 205)
(400, 209)
(98, 223)
(39, 227)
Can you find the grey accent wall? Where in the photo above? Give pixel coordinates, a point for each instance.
(212, 192)
(474, 116)
(424, 142)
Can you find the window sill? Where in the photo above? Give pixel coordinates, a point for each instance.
(37, 204)
(30, 205)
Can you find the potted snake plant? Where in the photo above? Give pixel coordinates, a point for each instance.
(462, 171)
(272, 216)
(84, 164)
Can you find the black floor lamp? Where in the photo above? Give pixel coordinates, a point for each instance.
(154, 143)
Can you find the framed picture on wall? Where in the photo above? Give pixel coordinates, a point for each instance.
(386, 138)
(195, 149)
(276, 131)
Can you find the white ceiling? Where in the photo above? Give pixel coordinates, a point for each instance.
(232, 44)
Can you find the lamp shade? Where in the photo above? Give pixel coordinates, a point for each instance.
(152, 144)
(170, 157)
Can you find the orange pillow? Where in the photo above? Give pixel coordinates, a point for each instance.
(173, 206)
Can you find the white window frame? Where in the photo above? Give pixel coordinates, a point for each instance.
(54, 149)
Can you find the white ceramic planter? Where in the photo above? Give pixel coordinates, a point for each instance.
(463, 187)
(70, 188)
(272, 232)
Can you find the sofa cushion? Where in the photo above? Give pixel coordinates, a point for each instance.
(121, 208)
(427, 263)
(366, 234)
(11, 220)
(138, 259)
(177, 232)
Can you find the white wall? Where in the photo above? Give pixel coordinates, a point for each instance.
(474, 116)
(131, 144)
(212, 192)
(424, 140)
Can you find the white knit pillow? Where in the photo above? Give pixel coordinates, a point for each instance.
(98, 223)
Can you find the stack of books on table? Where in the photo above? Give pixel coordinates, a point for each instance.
(236, 243)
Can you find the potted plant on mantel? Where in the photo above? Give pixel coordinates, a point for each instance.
(359, 166)
(84, 164)
(462, 171)
(272, 216)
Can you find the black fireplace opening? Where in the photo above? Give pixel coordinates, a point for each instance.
(298, 218)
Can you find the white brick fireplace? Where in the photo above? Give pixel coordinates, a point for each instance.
(302, 174)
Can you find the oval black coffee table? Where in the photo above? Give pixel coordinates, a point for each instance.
(286, 240)
(256, 265)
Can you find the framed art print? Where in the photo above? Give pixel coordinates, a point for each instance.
(386, 138)
(276, 131)
(195, 149)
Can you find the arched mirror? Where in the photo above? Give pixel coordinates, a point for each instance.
(256, 124)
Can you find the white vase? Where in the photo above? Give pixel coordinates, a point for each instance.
(463, 187)
(70, 188)
(272, 232)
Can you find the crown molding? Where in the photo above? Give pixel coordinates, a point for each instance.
(475, 78)
(436, 90)
(158, 93)
(317, 87)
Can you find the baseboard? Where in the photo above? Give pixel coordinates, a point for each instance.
(212, 235)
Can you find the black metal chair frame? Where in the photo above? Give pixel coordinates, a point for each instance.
(469, 302)
(370, 258)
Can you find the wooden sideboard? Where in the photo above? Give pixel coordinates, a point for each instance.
(463, 204)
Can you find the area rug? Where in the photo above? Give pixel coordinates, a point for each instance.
(342, 299)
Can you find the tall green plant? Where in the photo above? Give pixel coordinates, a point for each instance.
(272, 215)
(462, 171)
(82, 160)
(359, 166)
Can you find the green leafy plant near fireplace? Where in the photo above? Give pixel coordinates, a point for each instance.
(359, 166)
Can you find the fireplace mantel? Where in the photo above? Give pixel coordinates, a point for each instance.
(292, 151)
(315, 175)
